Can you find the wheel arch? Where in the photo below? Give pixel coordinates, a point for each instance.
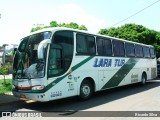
(143, 78)
(145, 74)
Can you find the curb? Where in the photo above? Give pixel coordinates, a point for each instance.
(9, 93)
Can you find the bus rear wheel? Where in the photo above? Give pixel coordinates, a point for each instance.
(86, 90)
(144, 79)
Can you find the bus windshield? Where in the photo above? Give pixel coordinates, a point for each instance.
(26, 63)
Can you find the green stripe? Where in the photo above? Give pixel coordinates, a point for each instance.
(58, 79)
(121, 73)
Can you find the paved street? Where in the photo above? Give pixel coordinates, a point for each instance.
(128, 98)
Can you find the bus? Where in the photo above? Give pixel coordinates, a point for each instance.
(56, 63)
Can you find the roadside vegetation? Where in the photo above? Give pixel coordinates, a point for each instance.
(5, 84)
(5, 87)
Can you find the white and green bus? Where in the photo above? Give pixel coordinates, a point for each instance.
(58, 62)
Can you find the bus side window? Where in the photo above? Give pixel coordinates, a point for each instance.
(55, 61)
(129, 50)
(107, 47)
(146, 52)
(100, 46)
(104, 47)
(91, 45)
(118, 48)
(152, 51)
(138, 51)
(85, 44)
(81, 44)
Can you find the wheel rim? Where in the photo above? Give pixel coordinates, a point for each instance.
(143, 80)
(86, 90)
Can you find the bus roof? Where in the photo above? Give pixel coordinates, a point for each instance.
(54, 29)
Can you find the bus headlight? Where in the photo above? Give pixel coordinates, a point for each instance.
(39, 87)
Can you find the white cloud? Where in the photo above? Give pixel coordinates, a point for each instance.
(12, 33)
(74, 13)
(14, 24)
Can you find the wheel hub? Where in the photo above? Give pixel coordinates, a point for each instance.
(86, 90)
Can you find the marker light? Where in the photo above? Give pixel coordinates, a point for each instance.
(38, 87)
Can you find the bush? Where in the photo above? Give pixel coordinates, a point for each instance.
(4, 70)
(5, 87)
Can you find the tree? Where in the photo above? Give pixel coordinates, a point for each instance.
(36, 28)
(62, 25)
(4, 70)
(82, 27)
(55, 24)
(136, 33)
(73, 25)
(4, 45)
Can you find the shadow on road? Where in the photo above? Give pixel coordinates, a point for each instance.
(69, 106)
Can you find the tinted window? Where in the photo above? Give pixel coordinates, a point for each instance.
(100, 47)
(23, 44)
(81, 44)
(138, 51)
(118, 48)
(129, 49)
(85, 44)
(91, 44)
(32, 40)
(61, 53)
(104, 46)
(107, 47)
(146, 52)
(152, 51)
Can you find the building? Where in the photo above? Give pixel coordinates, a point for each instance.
(1, 54)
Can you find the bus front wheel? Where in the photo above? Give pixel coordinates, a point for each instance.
(86, 90)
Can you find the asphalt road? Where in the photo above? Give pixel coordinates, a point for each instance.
(134, 97)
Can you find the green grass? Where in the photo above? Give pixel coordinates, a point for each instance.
(5, 88)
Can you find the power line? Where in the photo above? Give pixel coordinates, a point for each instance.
(136, 13)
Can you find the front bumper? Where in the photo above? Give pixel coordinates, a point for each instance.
(30, 96)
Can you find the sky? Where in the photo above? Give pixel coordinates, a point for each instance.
(17, 17)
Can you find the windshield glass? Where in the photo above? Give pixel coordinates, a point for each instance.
(26, 63)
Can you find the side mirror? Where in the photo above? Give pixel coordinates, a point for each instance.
(41, 47)
(15, 49)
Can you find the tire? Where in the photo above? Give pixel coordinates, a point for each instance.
(143, 79)
(86, 90)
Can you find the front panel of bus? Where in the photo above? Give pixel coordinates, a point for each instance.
(34, 77)
(30, 71)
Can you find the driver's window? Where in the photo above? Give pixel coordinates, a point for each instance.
(55, 62)
(61, 53)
